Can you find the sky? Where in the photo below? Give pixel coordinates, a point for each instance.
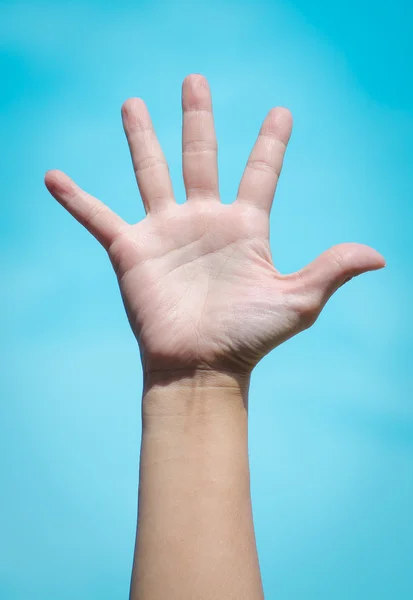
(331, 410)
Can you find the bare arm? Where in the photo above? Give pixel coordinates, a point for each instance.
(195, 530)
(205, 303)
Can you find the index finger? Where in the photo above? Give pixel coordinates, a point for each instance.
(263, 168)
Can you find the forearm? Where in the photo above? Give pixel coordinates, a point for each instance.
(195, 536)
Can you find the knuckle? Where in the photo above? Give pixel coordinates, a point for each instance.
(199, 147)
(341, 255)
(93, 214)
(307, 307)
(148, 162)
(262, 165)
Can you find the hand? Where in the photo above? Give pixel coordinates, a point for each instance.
(197, 279)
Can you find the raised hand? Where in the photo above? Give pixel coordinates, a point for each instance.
(197, 279)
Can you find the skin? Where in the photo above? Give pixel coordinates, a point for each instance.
(205, 303)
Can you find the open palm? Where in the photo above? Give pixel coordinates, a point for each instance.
(197, 279)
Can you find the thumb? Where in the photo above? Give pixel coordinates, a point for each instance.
(324, 275)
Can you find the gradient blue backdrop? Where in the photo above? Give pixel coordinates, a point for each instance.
(331, 417)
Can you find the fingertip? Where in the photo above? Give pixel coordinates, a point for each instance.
(383, 262)
(130, 104)
(196, 93)
(377, 259)
(57, 182)
(282, 112)
(135, 114)
(49, 175)
(279, 122)
(49, 178)
(195, 79)
(356, 258)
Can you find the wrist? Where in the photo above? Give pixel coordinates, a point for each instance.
(191, 393)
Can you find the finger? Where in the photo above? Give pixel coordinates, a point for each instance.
(264, 164)
(149, 164)
(93, 214)
(199, 144)
(323, 276)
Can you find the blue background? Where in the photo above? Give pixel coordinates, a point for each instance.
(331, 415)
